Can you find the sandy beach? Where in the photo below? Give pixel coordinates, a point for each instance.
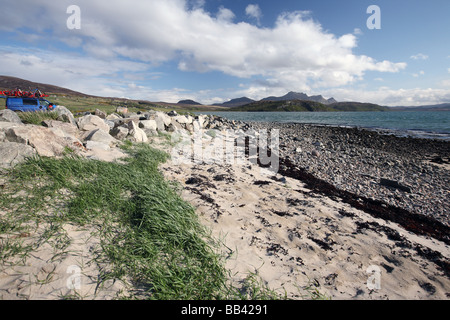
(294, 238)
(310, 229)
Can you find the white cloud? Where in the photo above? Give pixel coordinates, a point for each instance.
(392, 97)
(416, 75)
(225, 14)
(420, 56)
(254, 11)
(357, 31)
(296, 53)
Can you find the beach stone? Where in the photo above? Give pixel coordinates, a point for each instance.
(65, 115)
(167, 120)
(12, 153)
(174, 126)
(92, 122)
(93, 145)
(315, 153)
(63, 129)
(201, 120)
(394, 184)
(121, 110)
(148, 124)
(102, 136)
(110, 123)
(172, 113)
(7, 115)
(135, 133)
(42, 139)
(113, 116)
(120, 133)
(150, 132)
(101, 114)
(181, 119)
(196, 126)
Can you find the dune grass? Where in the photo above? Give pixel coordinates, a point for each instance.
(149, 235)
(37, 117)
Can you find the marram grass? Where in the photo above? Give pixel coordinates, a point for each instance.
(149, 237)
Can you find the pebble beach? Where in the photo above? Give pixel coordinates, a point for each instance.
(343, 200)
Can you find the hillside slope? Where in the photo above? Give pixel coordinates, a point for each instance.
(307, 106)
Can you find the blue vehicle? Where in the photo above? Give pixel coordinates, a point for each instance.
(28, 104)
(25, 101)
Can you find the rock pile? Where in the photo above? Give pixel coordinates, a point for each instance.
(95, 136)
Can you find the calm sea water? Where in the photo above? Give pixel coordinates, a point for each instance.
(426, 124)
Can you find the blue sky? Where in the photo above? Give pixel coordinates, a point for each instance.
(215, 50)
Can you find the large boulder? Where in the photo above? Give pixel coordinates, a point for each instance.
(162, 120)
(148, 124)
(120, 133)
(182, 119)
(174, 126)
(4, 126)
(64, 115)
(62, 129)
(46, 142)
(92, 122)
(101, 114)
(12, 153)
(135, 133)
(113, 116)
(96, 145)
(102, 136)
(7, 115)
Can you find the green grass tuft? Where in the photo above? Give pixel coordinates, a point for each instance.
(149, 236)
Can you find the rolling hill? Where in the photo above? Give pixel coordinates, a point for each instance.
(11, 83)
(307, 106)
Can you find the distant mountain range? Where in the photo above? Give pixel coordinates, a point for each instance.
(288, 97)
(292, 101)
(301, 96)
(189, 102)
(305, 105)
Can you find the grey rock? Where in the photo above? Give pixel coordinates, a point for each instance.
(113, 116)
(148, 124)
(92, 122)
(102, 136)
(64, 114)
(120, 133)
(136, 134)
(96, 145)
(101, 114)
(62, 129)
(12, 153)
(7, 115)
(42, 139)
(394, 184)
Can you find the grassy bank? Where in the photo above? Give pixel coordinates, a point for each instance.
(149, 236)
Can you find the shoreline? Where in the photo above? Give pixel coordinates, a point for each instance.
(409, 220)
(297, 226)
(317, 226)
(419, 133)
(356, 160)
